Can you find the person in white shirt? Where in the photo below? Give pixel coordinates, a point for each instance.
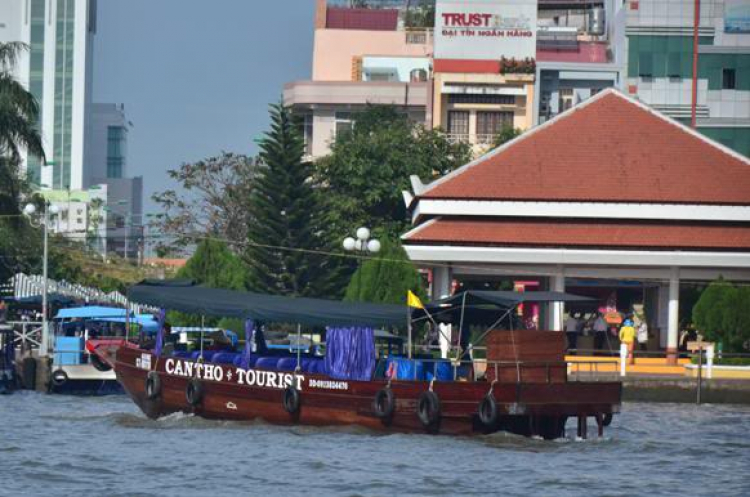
(572, 325)
(642, 335)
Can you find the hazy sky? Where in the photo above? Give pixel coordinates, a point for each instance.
(196, 76)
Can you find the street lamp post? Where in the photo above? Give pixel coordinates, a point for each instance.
(49, 211)
(362, 244)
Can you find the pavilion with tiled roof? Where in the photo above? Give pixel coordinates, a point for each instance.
(610, 189)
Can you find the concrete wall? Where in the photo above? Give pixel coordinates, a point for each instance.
(335, 50)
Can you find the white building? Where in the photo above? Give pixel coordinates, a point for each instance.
(58, 71)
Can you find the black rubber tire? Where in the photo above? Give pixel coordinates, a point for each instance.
(384, 404)
(291, 400)
(59, 378)
(487, 411)
(194, 392)
(153, 385)
(28, 373)
(607, 419)
(428, 410)
(99, 363)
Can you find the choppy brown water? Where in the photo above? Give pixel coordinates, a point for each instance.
(58, 445)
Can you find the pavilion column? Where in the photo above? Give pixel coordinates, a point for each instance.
(673, 319)
(441, 282)
(557, 309)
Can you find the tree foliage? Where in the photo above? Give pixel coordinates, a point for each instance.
(19, 111)
(721, 314)
(385, 278)
(368, 168)
(506, 134)
(285, 234)
(215, 266)
(212, 199)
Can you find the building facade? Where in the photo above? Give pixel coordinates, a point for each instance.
(660, 46)
(57, 69)
(472, 68)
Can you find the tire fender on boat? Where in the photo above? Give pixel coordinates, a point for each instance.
(428, 409)
(291, 400)
(153, 385)
(607, 419)
(59, 378)
(384, 404)
(194, 392)
(488, 410)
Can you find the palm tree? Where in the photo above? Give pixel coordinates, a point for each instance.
(19, 111)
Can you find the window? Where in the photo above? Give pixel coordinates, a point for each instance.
(489, 125)
(645, 65)
(306, 123)
(566, 99)
(674, 63)
(469, 98)
(458, 124)
(115, 151)
(344, 123)
(728, 81)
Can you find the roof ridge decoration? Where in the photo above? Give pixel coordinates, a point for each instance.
(568, 113)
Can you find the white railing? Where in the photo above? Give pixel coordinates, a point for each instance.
(472, 139)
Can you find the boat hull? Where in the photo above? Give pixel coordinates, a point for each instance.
(231, 393)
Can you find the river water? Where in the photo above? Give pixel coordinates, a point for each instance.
(58, 445)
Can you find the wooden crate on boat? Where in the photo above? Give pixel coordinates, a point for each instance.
(540, 356)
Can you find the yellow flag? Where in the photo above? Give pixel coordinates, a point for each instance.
(413, 301)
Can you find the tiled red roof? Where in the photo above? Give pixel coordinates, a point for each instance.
(608, 149)
(626, 235)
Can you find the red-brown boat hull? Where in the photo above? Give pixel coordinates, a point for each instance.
(351, 403)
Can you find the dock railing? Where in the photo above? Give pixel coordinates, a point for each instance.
(27, 334)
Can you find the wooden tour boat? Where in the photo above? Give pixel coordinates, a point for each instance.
(523, 388)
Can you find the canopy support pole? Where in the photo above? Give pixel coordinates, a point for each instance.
(203, 325)
(299, 349)
(408, 331)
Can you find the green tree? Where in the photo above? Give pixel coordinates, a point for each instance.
(721, 314)
(19, 241)
(215, 266)
(19, 111)
(506, 134)
(284, 233)
(368, 168)
(385, 278)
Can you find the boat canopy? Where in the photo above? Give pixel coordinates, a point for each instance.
(91, 312)
(186, 296)
(507, 299)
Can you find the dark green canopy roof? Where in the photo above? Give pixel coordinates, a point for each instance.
(185, 296)
(508, 299)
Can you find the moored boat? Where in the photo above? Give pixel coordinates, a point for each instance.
(522, 385)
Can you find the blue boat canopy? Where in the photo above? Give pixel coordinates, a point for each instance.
(91, 312)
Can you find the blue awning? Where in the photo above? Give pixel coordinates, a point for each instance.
(91, 312)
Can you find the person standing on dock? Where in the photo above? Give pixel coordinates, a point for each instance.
(627, 337)
(572, 327)
(600, 331)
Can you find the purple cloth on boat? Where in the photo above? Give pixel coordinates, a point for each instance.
(350, 353)
(160, 333)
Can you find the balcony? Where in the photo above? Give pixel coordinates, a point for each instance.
(314, 93)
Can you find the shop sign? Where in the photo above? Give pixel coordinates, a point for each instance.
(485, 29)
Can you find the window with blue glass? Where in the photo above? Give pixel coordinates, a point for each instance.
(115, 151)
